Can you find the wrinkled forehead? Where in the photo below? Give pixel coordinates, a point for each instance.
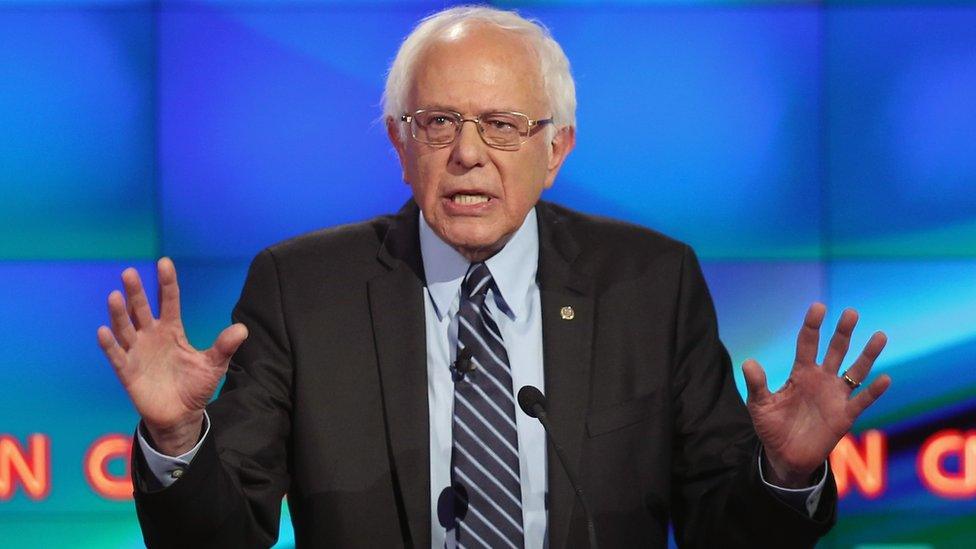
(480, 64)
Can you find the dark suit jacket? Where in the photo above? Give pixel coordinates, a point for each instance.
(327, 400)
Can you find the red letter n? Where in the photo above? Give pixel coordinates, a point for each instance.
(30, 469)
(864, 466)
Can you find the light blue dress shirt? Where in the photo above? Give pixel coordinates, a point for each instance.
(515, 307)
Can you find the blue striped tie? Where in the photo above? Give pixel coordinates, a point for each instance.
(485, 461)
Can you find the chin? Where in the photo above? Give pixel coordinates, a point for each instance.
(470, 234)
(476, 248)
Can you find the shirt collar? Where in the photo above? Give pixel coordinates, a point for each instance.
(513, 268)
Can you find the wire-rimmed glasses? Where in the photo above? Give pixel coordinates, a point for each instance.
(501, 130)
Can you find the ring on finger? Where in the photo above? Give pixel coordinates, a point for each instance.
(850, 382)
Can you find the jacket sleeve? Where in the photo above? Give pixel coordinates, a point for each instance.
(230, 495)
(718, 497)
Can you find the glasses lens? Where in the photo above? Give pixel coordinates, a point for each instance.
(435, 127)
(504, 129)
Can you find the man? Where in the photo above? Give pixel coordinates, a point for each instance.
(376, 386)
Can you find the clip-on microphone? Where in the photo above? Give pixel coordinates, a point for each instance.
(463, 365)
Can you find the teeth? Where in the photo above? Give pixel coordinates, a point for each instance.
(468, 199)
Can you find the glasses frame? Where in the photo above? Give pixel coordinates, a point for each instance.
(533, 127)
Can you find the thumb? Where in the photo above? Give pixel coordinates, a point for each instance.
(227, 343)
(755, 381)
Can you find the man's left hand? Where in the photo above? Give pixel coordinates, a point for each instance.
(801, 423)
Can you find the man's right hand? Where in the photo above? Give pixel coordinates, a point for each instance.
(168, 380)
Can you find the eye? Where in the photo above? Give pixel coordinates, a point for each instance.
(501, 124)
(435, 120)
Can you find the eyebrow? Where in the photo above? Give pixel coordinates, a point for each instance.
(455, 109)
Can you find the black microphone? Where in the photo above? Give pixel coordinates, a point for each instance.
(533, 403)
(462, 365)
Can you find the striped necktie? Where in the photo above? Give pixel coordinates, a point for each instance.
(485, 459)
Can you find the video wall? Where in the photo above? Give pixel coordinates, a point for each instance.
(807, 150)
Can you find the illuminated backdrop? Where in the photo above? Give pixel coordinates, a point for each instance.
(807, 150)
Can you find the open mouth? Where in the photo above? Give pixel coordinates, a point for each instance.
(470, 199)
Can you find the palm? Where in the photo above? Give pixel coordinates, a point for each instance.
(802, 422)
(168, 380)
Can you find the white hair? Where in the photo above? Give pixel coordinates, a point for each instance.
(553, 64)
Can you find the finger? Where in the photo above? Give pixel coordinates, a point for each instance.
(169, 290)
(122, 327)
(840, 342)
(861, 368)
(227, 343)
(755, 381)
(111, 348)
(135, 296)
(866, 397)
(808, 340)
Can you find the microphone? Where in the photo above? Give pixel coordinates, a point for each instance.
(462, 365)
(533, 403)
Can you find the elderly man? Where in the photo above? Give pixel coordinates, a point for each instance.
(372, 369)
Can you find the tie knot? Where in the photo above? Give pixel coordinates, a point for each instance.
(477, 281)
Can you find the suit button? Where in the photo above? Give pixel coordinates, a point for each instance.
(567, 313)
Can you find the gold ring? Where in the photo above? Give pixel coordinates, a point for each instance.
(850, 382)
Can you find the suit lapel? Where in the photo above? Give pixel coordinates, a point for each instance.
(568, 311)
(397, 310)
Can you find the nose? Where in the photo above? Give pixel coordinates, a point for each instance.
(469, 148)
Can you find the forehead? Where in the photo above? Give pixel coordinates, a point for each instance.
(478, 68)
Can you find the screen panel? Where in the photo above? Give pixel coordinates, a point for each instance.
(57, 385)
(63, 408)
(927, 310)
(65, 5)
(901, 120)
(701, 123)
(269, 125)
(77, 153)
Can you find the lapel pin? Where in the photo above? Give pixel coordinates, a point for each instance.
(567, 313)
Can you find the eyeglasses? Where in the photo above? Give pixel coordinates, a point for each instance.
(501, 130)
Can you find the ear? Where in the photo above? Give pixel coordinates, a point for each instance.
(393, 132)
(559, 148)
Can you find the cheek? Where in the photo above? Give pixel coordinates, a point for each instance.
(524, 180)
(423, 176)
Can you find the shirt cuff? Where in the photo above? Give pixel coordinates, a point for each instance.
(806, 499)
(168, 469)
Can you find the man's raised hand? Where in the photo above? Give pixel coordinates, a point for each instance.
(801, 423)
(168, 380)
